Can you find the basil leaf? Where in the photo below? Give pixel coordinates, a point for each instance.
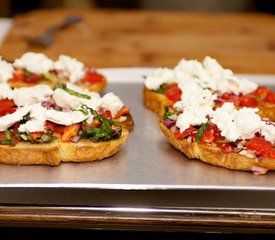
(50, 76)
(64, 87)
(167, 113)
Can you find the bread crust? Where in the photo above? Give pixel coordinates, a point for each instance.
(53, 153)
(267, 111)
(155, 101)
(214, 155)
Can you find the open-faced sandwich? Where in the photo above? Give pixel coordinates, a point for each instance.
(36, 68)
(41, 125)
(222, 135)
(163, 87)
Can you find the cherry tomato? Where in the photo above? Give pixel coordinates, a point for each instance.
(173, 92)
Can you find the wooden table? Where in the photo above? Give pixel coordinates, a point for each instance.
(244, 43)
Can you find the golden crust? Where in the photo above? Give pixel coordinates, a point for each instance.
(95, 87)
(215, 156)
(267, 111)
(56, 152)
(128, 123)
(155, 101)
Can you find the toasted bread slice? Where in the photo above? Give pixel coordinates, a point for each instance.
(53, 153)
(155, 101)
(95, 87)
(215, 156)
(267, 111)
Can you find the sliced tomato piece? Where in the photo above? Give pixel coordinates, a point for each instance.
(189, 131)
(173, 92)
(35, 135)
(92, 76)
(270, 97)
(261, 147)
(230, 97)
(107, 114)
(18, 76)
(7, 106)
(122, 112)
(69, 132)
(226, 147)
(207, 137)
(248, 101)
(13, 138)
(33, 78)
(50, 126)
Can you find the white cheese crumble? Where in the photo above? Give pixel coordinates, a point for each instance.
(159, 77)
(236, 124)
(111, 102)
(208, 74)
(31, 95)
(10, 119)
(7, 70)
(68, 101)
(268, 131)
(36, 63)
(70, 68)
(196, 104)
(6, 92)
(37, 122)
(65, 118)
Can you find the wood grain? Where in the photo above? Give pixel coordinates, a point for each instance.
(244, 43)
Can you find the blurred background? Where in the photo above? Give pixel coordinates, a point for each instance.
(10, 8)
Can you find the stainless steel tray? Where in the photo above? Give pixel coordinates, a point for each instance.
(146, 172)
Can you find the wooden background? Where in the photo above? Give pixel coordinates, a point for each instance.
(244, 43)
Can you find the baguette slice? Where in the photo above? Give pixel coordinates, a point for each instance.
(56, 152)
(215, 156)
(155, 101)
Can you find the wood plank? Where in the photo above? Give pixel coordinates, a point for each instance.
(244, 43)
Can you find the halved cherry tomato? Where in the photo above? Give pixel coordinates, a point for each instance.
(69, 132)
(7, 106)
(261, 147)
(189, 131)
(92, 76)
(248, 101)
(173, 92)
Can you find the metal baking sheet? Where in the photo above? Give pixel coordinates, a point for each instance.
(147, 170)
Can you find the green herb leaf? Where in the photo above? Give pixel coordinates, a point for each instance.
(50, 76)
(64, 87)
(103, 133)
(162, 88)
(167, 113)
(7, 140)
(200, 132)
